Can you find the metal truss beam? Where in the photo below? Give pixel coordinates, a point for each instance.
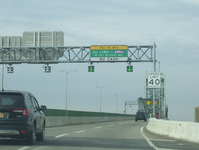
(76, 54)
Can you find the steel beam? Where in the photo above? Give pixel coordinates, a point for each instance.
(70, 54)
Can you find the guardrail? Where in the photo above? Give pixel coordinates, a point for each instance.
(187, 131)
(56, 117)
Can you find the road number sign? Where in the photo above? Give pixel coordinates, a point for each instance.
(154, 80)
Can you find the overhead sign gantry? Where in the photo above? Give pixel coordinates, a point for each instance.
(35, 47)
(48, 48)
(77, 54)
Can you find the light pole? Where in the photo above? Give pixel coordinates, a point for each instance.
(117, 95)
(100, 96)
(160, 103)
(66, 86)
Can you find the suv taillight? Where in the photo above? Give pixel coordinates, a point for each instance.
(25, 112)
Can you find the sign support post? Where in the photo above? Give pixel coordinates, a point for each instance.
(154, 88)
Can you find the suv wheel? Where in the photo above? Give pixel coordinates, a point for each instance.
(40, 135)
(30, 140)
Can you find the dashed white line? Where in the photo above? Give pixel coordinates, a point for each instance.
(62, 135)
(80, 131)
(23, 148)
(98, 127)
(111, 125)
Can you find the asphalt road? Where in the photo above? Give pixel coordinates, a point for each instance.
(124, 135)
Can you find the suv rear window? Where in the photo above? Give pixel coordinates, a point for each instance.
(140, 113)
(10, 99)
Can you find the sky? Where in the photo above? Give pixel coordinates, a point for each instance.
(171, 24)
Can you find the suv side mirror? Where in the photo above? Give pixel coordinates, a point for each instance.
(43, 107)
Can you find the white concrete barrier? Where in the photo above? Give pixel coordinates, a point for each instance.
(188, 131)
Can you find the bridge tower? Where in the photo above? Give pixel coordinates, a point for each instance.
(161, 109)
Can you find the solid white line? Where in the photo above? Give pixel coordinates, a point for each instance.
(164, 140)
(23, 148)
(62, 135)
(80, 131)
(98, 127)
(150, 143)
(148, 140)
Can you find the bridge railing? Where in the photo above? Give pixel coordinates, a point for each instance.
(57, 117)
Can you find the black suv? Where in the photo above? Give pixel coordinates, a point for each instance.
(140, 115)
(21, 116)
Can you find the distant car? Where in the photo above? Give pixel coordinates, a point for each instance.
(21, 116)
(140, 115)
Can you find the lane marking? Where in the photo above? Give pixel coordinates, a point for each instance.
(148, 140)
(62, 135)
(164, 140)
(150, 143)
(98, 127)
(111, 125)
(80, 131)
(23, 148)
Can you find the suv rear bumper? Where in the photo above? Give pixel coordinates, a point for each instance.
(9, 132)
(12, 131)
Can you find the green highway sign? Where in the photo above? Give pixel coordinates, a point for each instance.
(129, 68)
(91, 69)
(109, 53)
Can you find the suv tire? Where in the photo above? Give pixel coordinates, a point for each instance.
(31, 138)
(40, 136)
